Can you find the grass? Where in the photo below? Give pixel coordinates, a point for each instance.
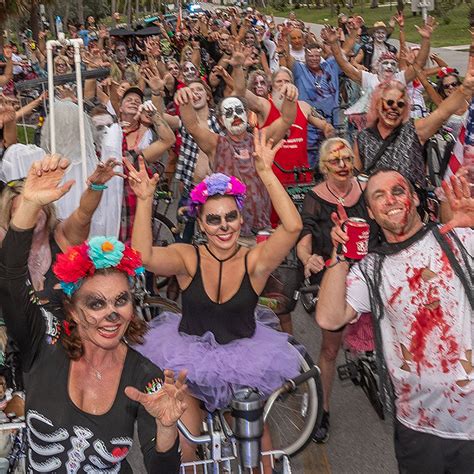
(454, 33)
(25, 132)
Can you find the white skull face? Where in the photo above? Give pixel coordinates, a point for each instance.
(380, 35)
(387, 68)
(189, 71)
(234, 115)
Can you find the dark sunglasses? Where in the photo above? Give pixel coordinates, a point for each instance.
(399, 103)
(451, 85)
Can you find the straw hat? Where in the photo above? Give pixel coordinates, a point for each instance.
(380, 25)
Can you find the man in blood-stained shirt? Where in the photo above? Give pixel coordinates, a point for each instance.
(419, 288)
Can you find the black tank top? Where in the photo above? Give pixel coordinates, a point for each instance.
(233, 319)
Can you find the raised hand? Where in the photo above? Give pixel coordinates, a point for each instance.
(141, 183)
(167, 404)
(184, 96)
(427, 29)
(7, 52)
(104, 172)
(338, 236)
(265, 151)
(329, 34)
(289, 92)
(400, 19)
(43, 183)
(460, 200)
(239, 54)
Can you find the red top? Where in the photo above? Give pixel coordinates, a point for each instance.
(294, 151)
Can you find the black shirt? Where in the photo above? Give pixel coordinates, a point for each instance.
(63, 438)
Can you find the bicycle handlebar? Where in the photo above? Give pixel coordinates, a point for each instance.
(309, 289)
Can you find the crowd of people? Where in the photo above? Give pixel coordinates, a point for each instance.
(231, 109)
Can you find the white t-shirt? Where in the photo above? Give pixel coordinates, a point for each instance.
(298, 55)
(428, 334)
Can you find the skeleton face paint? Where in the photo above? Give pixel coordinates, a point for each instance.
(380, 36)
(387, 68)
(189, 71)
(234, 115)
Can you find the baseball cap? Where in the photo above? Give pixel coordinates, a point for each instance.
(133, 90)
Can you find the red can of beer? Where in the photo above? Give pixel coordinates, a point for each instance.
(262, 235)
(358, 232)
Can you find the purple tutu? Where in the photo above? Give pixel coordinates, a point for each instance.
(215, 371)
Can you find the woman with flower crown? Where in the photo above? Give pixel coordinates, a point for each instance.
(217, 338)
(84, 394)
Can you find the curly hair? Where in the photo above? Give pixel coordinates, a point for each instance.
(71, 340)
(375, 99)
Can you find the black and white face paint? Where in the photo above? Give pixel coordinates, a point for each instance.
(189, 71)
(387, 68)
(234, 115)
(380, 36)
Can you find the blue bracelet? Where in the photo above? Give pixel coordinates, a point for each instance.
(97, 187)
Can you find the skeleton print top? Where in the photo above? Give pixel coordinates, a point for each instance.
(61, 437)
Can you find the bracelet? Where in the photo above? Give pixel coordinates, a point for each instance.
(97, 187)
(159, 93)
(339, 259)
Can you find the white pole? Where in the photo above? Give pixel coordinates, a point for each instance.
(52, 127)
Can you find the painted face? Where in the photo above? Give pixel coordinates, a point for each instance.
(103, 309)
(450, 84)
(392, 204)
(199, 95)
(121, 52)
(173, 68)
(380, 35)
(234, 115)
(387, 68)
(189, 71)
(224, 42)
(260, 86)
(296, 39)
(220, 220)
(391, 107)
(313, 59)
(339, 163)
(101, 123)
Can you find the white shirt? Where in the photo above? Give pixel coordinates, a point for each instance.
(298, 55)
(428, 333)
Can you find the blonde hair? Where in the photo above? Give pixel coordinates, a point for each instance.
(65, 60)
(326, 149)
(9, 193)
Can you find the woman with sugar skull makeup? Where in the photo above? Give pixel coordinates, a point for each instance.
(218, 322)
(85, 393)
(232, 153)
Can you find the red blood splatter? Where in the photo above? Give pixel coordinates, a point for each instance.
(451, 411)
(395, 296)
(446, 266)
(414, 282)
(424, 419)
(119, 452)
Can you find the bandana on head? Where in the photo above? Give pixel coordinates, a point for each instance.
(447, 71)
(217, 183)
(81, 261)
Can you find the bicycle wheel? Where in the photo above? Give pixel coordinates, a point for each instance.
(164, 234)
(155, 305)
(434, 162)
(294, 417)
(369, 385)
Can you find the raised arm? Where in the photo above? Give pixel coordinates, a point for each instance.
(205, 139)
(165, 261)
(427, 127)
(8, 71)
(329, 35)
(264, 258)
(277, 130)
(431, 91)
(75, 229)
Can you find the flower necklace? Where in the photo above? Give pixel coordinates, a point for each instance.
(340, 199)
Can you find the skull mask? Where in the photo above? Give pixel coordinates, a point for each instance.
(189, 71)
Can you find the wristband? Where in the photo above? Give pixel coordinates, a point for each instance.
(97, 187)
(159, 93)
(339, 259)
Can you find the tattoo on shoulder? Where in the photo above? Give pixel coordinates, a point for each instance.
(315, 113)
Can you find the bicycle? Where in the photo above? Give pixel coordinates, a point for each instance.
(238, 449)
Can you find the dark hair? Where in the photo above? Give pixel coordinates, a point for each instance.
(439, 82)
(219, 110)
(72, 342)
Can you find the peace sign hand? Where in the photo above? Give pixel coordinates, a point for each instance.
(167, 404)
(142, 185)
(461, 202)
(338, 236)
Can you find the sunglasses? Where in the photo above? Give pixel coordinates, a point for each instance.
(451, 85)
(399, 103)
